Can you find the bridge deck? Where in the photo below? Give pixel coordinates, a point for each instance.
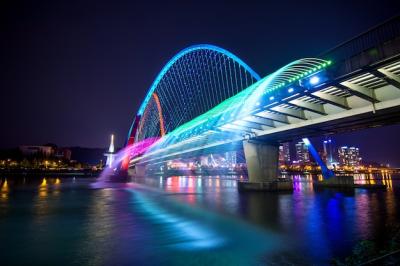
(366, 96)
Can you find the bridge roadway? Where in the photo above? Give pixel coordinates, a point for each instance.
(341, 97)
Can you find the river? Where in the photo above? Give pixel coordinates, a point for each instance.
(187, 221)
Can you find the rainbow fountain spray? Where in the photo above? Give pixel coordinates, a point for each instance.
(115, 171)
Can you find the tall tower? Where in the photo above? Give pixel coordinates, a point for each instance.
(302, 154)
(328, 151)
(111, 153)
(284, 153)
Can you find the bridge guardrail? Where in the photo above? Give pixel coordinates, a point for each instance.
(378, 43)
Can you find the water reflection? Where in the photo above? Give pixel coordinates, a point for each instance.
(329, 220)
(97, 229)
(387, 180)
(4, 190)
(43, 188)
(384, 178)
(181, 220)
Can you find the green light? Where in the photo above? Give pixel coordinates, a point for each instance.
(234, 105)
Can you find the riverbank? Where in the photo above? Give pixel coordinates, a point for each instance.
(50, 172)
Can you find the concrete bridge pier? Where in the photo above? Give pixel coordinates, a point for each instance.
(139, 170)
(262, 165)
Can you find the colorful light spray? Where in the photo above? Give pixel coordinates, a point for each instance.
(121, 160)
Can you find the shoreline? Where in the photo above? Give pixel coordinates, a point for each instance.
(50, 173)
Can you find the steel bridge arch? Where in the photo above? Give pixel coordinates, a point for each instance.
(160, 114)
(132, 134)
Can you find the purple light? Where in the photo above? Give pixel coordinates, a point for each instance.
(128, 152)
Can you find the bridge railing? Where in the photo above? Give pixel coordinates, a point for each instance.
(378, 43)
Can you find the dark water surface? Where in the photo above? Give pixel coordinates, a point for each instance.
(187, 221)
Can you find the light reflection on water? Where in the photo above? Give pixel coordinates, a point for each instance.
(188, 220)
(4, 190)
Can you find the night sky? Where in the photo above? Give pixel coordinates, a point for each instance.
(72, 72)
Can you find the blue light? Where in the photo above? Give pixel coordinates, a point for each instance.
(185, 51)
(325, 171)
(314, 80)
(290, 90)
(271, 98)
(306, 141)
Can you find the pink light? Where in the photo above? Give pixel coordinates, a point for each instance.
(123, 157)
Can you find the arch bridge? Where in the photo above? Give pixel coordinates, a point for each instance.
(206, 99)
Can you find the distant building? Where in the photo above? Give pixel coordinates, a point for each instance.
(302, 153)
(204, 160)
(328, 152)
(349, 156)
(231, 158)
(284, 153)
(48, 150)
(63, 154)
(30, 150)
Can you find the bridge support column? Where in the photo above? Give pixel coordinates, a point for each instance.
(262, 166)
(140, 170)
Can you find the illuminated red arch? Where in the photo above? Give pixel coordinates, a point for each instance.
(131, 139)
(137, 126)
(160, 115)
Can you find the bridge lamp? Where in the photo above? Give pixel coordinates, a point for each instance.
(314, 80)
(290, 90)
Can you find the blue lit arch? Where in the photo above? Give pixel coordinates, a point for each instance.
(169, 67)
(185, 51)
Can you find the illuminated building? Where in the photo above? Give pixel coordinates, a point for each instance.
(328, 152)
(302, 154)
(63, 153)
(284, 153)
(204, 160)
(349, 156)
(231, 158)
(46, 151)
